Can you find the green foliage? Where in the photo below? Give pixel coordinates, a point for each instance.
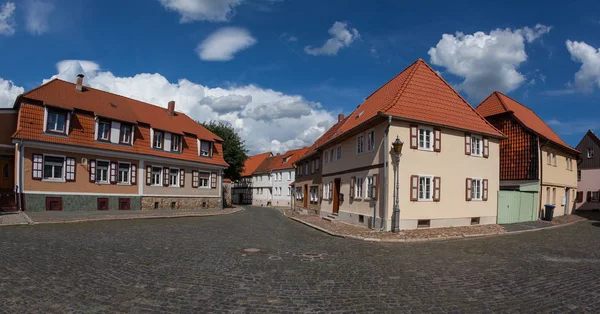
(234, 151)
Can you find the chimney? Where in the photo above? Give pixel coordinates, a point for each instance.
(340, 117)
(79, 85)
(171, 108)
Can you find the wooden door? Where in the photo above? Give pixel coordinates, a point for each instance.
(336, 196)
(305, 196)
(7, 174)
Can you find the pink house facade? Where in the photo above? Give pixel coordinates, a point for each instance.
(588, 173)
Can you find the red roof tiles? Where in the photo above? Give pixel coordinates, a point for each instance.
(253, 162)
(498, 103)
(277, 162)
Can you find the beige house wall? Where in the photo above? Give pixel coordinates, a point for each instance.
(560, 178)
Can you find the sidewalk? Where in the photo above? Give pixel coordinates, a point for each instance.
(67, 217)
(13, 218)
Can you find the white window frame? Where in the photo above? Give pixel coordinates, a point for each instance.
(176, 185)
(128, 173)
(57, 113)
(289, 176)
(64, 167)
(590, 152)
(476, 189)
(331, 154)
(98, 181)
(289, 191)
(200, 186)
(476, 139)
(338, 152)
(425, 139)
(122, 134)
(369, 186)
(176, 139)
(108, 130)
(160, 176)
(549, 158)
(161, 142)
(359, 188)
(424, 197)
(371, 141)
(204, 153)
(360, 144)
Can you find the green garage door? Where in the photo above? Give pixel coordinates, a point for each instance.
(515, 206)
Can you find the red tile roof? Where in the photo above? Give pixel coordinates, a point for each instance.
(253, 162)
(323, 139)
(498, 103)
(276, 162)
(419, 94)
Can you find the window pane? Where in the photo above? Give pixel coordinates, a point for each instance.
(58, 172)
(47, 171)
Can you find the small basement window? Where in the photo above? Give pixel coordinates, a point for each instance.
(423, 223)
(475, 221)
(361, 218)
(203, 204)
(155, 205)
(124, 204)
(173, 205)
(102, 204)
(54, 203)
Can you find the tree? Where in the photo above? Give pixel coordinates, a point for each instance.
(234, 151)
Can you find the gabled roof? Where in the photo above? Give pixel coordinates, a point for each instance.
(323, 139)
(62, 94)
(498, 103)
(253, 162)
(287, 160)
(592, 135)
(418, 93)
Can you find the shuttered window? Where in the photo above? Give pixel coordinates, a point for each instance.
(133, 174)
(92, 170)
(165, 176)
(467, 144)
(195, 179)
(38, 161)
(352, 183)
(70, 169)
(437, 189)
(213, 180)
(182, 178)
(437, 140)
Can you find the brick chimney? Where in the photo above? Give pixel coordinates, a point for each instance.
(171, 108)
(79, 85)
(340, 117)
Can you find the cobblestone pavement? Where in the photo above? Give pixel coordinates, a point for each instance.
(197, 265)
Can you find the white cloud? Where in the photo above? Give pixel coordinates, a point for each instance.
(224, 43)
(588, 75)
(202, 10)
(487, 62)
(288, 37)
(573, 127)
(342, 36)
(7, 22)
(266, 119)
(8, 93)
(37, 15)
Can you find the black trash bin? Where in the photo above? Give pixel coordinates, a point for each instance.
(549, 212)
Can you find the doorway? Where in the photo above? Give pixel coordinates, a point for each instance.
(7, 174)
(336, 195)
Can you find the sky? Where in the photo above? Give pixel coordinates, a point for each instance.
(280, 71)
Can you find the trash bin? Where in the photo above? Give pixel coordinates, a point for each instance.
(549, 212)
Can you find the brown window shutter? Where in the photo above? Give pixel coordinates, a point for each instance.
(375, 192)
(414, 188)
(468, 189)
(195, 178)
(113, 172)
(486, 147)
(589, 196)
(579, 197)
(148, 175)
(133, 174)
(414, 140)
(165, 176)
(181, 177)
(437, 140)
(37, 172)
(213, 180)
(352, 183)
(467, 144)
(70, 170)
(437, 189)
(93, 170)
(484, 190)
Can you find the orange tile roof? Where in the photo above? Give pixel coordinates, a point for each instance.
(62, 94)
(498, 103)
(31, 122)
(276, 162)
(418, 93)
(253, 162)
(323, 139)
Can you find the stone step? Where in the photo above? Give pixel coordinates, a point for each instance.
(328, 218)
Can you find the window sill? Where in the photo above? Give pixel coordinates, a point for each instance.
(102, 183)
(123, 183)
(425, 200)
(475, 155)
(425, 149)
(54, 180)
(173, 186)
(57, 134)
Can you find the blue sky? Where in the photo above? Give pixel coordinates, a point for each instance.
(281, 70)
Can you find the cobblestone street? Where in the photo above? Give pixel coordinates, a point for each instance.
(198, 264)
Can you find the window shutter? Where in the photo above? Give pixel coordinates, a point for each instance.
(165, 176)
(321, 191)
(352, 183)
(195, 178)
(92, 170)
(467, 144)
(589, 196)
(468, 187)
(414, 141)
(484, 190)
(579, 197)
(70, 170)
(330, 190)
(181, 177)
(486, 147)
(437, 140)
(375, 191)
(414, 188)
(113, 172)
(38, 161)
(133, 174)
(213, 180)
(148, 175)
(437, 189)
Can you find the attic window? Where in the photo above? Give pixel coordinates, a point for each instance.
(360, 114)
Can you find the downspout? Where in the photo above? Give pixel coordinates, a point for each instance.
(541, 171)
(19, 189)
(385, 171)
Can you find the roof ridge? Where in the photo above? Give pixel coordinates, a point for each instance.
(404, 84)
(36, 88)
(395, 76)
(497, 94)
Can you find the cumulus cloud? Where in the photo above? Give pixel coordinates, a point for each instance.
(224, 43)
(7, 22)
(37, 15)
(588, 75)
(267, 120)
(487, 62)
(8, 93)
(202, 10)
(341, 36)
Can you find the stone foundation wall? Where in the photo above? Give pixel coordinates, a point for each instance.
(161, 203)
(71, 203)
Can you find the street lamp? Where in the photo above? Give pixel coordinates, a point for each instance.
(397, 148)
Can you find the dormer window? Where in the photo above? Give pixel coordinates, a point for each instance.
(175, 143)
(103, 130)
(204, 149)
(56, 121)
(158, 139)
(126, 132)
